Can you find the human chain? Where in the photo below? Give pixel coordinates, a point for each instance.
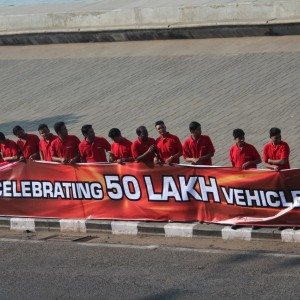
(167, 149)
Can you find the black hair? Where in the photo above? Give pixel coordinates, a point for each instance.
(42, 126)
(57, 126)
(238, 133)
(2, 136)
(194, 125)
(140, 129)
(160, 122)
(16, 129)
(85, 129)
(114, 132)
(274, 131)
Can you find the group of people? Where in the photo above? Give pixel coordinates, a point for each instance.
(197, 149)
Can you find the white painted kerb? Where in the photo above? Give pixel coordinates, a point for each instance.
(236, 234)
(179, 230)
(22, 224)
(72, 225)
(123, 227)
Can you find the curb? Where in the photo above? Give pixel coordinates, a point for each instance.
(225, 31)
(188, 230)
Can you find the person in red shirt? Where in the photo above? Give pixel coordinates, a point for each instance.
(93, 148)
(276, 153)
(168, 146)
(120, 148)
(45, 142)
(28, 143)
(198, 149)
(143, 149)
(9, 149)
(243, 155)
(64, 148)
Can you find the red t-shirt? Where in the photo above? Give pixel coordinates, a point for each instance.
(168, 146)
(197, 148)
(29, 145)
(121, 149)
(139, 147)
(65, 149)
(277, 152)
(9, 148)
(238, 156)
(45, 147)
(95, 151)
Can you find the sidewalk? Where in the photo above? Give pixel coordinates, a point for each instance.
(125, 15)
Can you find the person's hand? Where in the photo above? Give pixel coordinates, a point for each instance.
(195, 161)
(169, 160)
(73, 161)
(151, 149)
(120, 161)
(275, 168)
(157, 161)
(22, 159)
(64, 160)
(245, 165)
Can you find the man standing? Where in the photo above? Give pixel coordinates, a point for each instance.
(9, 149)
(168, 145)
(243, 155)
(276, 153)
(143, 149)
(27, 143)
(120, 148)
(45, 142)
(198, 149)
(93, 148)
(64, 149)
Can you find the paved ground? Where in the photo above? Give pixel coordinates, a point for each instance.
(252, 83)
(115, 267)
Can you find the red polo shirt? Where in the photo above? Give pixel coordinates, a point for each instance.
(9, 148)
(29, 145)
(95, 151)
(65, 149)
(121, 149)
(139, 147)
(239, 156)
(277, 152)
(45, 147)
(197, 148)
(168, 146)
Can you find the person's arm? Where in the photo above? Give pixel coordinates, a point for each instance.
(187, 154)
(204, 157)
(277, 162)
(75, 159)
(176, 155)
(266, 160)
(34, 156)
(15, 154)
(41, 155)
(145, 155)
(251, 163)
(11, 158)
(210, 151)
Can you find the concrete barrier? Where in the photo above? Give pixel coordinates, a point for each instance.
(149, 22)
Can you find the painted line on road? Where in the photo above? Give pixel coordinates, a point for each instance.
(183, 249)
(166, 248)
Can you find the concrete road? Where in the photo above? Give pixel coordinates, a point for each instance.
(251, 83)
(51, 266)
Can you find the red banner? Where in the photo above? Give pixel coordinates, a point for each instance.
(139, 192)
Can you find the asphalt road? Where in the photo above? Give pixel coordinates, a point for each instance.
(251, 83)
(51, 266)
